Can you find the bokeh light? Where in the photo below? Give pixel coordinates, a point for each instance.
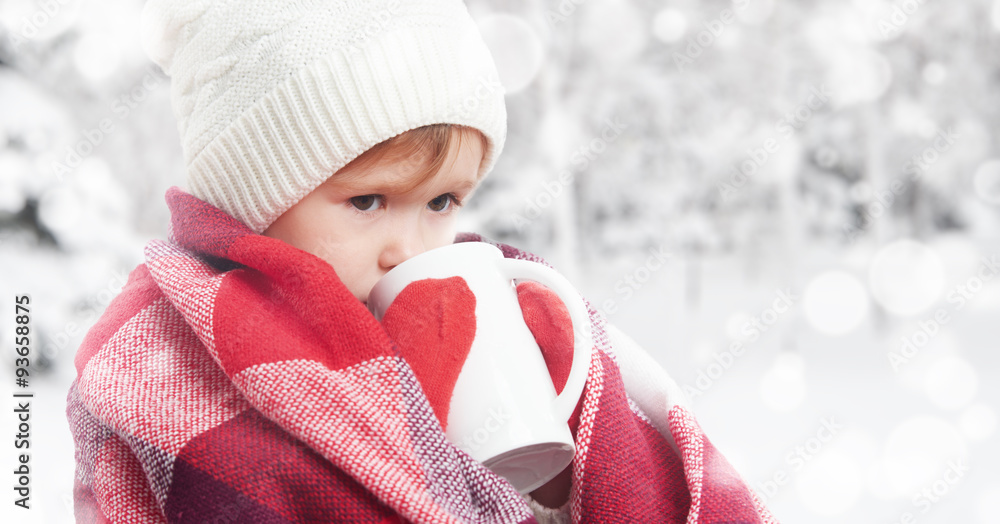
(912, 372)
(831, 483)
(841, 22)
(753, 13)
(910, 117)
(978, 422)
(702, 352)
(986, 181)
(783, 386)
(877, 481)
(835, 303)
(859, 442)
(917, 453)
(97, 56)
(934, 73)
(517, 49)
(735, 324)
(988, 504)
(961, 257)
(559, 135)
(669, 25)
(951, 382)
(784, 165)
(858, 75)
(872, 15)
(906, 277)
(614, 31)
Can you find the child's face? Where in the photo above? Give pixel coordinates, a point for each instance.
(366, 221)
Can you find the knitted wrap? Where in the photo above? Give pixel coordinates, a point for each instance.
(271, 98)
(236, 379)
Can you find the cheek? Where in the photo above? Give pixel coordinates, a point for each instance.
(442, 232)
(347, 258)
(355, 260)
(329, 235)
(359, 276)
(302, 226)
(355, 270)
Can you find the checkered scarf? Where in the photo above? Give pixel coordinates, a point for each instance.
(236, 379)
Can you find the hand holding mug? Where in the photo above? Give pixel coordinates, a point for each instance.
(455, 315)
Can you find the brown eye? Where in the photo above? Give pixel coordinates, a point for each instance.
(440, 203)
(366, 202)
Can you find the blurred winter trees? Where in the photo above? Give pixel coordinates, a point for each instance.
(703, 126)
(701, 87)
(845, 146)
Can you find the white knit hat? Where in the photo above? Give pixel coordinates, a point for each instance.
(274, 96)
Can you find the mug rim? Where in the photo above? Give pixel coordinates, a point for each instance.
(438, 251)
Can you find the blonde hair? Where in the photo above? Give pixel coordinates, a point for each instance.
(428, 145)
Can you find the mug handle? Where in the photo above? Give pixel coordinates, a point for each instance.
(565, 402)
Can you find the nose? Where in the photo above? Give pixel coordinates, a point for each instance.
(403, 242)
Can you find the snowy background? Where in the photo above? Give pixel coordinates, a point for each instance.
(821, 176)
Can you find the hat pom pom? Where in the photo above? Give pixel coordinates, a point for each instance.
(162, 26)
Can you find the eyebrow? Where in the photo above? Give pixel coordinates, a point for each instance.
(467, 184)
(358, 185)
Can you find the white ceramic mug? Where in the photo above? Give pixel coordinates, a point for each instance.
(504, 410)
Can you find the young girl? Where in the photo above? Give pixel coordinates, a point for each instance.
(239, 377)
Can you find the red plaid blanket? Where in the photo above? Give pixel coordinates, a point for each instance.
(235, 379)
